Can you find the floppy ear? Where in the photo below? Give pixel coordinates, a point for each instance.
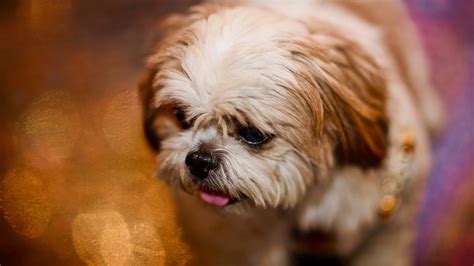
(146, 93)
(160, 122)
(160, 119)
(352, 94)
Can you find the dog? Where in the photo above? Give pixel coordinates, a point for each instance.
(272, 120)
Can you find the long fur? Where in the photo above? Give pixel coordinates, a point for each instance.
(324, 82)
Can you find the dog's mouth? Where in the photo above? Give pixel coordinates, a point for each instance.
(216, 198)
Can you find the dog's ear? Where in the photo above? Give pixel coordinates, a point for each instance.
(146, 93)
(165, 34)
(172, 37)
(351, 92)
(161, 117)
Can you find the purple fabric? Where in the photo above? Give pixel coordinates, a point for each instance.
(446, 222)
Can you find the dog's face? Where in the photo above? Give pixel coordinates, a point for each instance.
(248, 108)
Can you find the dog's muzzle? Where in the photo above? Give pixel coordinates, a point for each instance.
(200, 163)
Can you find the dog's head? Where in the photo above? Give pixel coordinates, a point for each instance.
(246, 106)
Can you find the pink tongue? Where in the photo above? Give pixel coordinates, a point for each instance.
(218, 200)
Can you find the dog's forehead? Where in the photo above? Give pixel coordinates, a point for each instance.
(234, 65)
(235, 48)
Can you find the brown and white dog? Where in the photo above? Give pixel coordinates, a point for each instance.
(270, 117)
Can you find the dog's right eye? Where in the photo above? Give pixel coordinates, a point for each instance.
(181, 118)
(252, 136)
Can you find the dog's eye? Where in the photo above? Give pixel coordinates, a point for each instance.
(252, 136)
(181, 117)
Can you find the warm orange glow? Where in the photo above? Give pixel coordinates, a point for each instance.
(47, 16)
(102, 238)
(49, 128)
(122, 125)
(81, 179)
(25, 203)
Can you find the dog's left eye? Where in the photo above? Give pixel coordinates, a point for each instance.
(252, 136)
(181, 117)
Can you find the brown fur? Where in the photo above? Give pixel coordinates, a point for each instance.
(353, 96)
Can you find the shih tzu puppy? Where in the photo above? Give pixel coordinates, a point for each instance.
(273, 120)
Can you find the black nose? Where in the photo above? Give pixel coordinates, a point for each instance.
(200, 163)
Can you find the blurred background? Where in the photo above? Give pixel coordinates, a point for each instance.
(76, 178)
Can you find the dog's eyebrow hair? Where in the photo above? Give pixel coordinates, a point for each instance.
(284, 124)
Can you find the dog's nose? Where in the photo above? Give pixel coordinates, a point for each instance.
(200, 163)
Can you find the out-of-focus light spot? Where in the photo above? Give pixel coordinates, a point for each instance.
(147, 246)
(408, 144)
(49, 129)
(122, 125)
(25, 203)
(387, 206)
(102, 238)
